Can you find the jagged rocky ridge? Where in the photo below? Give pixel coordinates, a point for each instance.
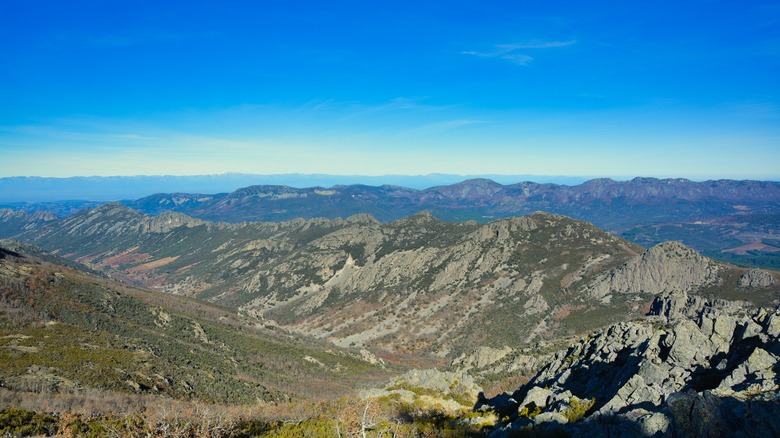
(410, 286)
(693, 367)
(418, 284)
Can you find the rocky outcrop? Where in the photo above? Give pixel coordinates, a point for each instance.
(14, 223)
(710, 369)
(678, 305)
(443, 390)
(756, 279)
(481, 357)
(665, 267)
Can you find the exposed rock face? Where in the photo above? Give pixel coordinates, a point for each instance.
(13, 223)
(755, 279)
(665, 267)
(679, 305)
(481, 357)
(706, 370)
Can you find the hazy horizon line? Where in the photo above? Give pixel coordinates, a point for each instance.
(401, 175)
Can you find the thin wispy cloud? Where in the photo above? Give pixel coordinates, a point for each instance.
(518, 59)
(509, 52)
(535, 44)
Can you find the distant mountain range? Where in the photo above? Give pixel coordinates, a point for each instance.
(606, 202)
(27, 189)
(738, 221)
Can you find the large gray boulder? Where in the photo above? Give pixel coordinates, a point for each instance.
(756, 279)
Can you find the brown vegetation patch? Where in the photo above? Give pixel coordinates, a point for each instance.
(186, 267)
(569, 278)
(86, 260)
(153, 264)
(646, 307)
(565, 310)
(125, 257)
(755, 246)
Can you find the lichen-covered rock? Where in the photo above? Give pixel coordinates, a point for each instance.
(443, 390)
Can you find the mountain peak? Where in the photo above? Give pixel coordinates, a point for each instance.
(113, 209)
(361, 218)
(665, 267)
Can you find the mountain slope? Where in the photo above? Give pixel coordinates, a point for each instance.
(62, 329)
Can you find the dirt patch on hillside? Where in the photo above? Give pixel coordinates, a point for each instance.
(153, 264)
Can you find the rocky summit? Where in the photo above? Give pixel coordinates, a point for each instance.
(692, 367)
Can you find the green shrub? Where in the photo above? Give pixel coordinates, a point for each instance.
(577, 409)
(527, 412)
(18, 422)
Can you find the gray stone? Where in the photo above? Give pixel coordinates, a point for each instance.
(772, 325)
(636, 370)
(750, 328)
(653, 374)
(688, 344)
(536, 396)
(695, 414)
(760, 360)
(669, 266)
(562, 397)
(724, 327)
(655, 424)
(756, 279)
(634, 383)
(550, 417)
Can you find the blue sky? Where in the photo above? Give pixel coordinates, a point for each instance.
(605, 88)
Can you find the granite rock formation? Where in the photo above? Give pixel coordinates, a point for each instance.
(693, 367)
